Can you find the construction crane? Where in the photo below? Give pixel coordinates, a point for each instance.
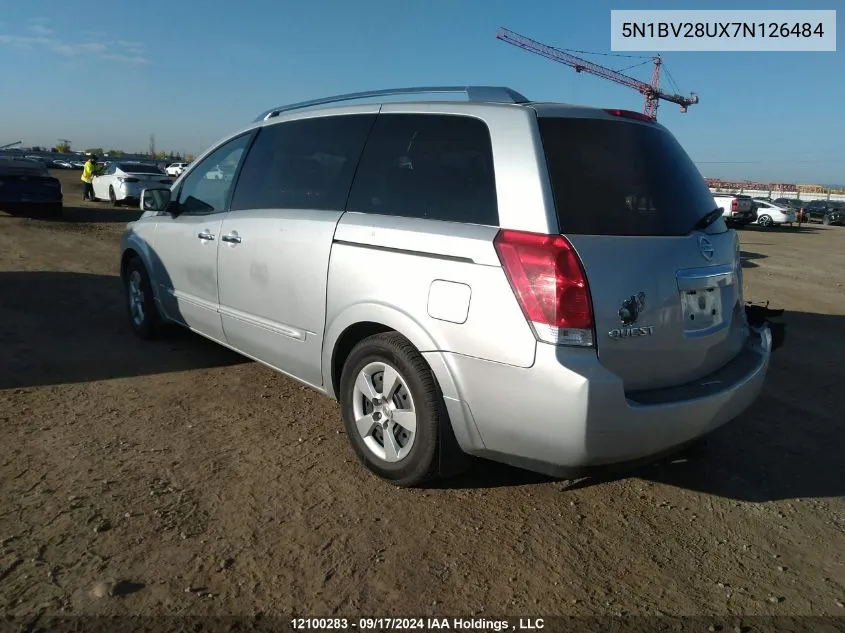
(8, 145)
(651, 91)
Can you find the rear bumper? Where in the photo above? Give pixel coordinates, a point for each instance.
(128, 191)
(783, 219)
(740, 218)
(567, 413)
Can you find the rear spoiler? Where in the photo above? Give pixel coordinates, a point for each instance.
(759, 315)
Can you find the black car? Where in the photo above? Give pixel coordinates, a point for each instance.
(789, 203)
(825, 211)
(27, 187)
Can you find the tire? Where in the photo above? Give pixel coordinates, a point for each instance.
(146, 322)
(826, 220)
(411, 458)
(112, 197)
(765, 221)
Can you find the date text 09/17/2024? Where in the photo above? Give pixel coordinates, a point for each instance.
(479, 625)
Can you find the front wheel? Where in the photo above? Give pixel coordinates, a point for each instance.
(765, 221)
(144, 317)
(392, 409)
(826, 220)
(112, 196)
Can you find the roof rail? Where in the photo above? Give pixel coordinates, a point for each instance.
(494, 94)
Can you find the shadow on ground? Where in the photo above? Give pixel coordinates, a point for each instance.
(107, 213)
(80, 215)
(804, 228)
(789, 444)
(747, 259)
(63, 327)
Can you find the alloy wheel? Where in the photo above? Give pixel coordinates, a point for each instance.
(384, 412)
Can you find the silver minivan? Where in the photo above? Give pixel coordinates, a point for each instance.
(540, 284)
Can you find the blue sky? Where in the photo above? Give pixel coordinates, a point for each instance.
(190, 71)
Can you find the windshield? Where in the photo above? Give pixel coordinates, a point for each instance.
(622, 178)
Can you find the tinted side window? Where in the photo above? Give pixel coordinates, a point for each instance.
(437, 167)
(620, 178)
(305, 164)
(206, 188)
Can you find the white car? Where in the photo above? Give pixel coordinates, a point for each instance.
(769, 214)
(175, 169)
(215, 173)
(124, 181)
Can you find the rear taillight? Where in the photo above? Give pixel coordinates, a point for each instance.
(550, 285)
(734, 205)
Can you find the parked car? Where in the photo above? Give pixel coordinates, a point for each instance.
(545, 285)
(27, 187)
(739, 210)
(216, 173)
(175, 169)
(769, 214)
(825, 211)
(794, 204)
(123, 181)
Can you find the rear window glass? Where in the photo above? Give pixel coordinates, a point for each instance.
(22, 167)
(621, 178)
(138, 168)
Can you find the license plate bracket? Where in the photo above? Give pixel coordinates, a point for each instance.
(702, 309)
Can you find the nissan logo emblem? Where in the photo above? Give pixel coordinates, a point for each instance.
(706, 248)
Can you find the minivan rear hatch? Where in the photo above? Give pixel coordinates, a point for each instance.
(665, 283)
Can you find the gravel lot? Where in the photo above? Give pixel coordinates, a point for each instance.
(185, 479)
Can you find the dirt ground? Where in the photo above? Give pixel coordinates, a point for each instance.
(179, 478)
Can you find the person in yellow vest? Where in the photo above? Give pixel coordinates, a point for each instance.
(90, 170)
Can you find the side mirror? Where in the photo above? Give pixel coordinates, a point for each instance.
(156, 200)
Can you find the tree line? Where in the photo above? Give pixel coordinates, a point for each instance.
(64, 148)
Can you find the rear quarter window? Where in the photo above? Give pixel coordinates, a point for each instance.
(429, 166)
(621, 178)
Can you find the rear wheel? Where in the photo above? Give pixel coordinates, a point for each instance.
(112, 196)
(392, 409)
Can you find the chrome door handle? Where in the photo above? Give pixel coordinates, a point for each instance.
(205, 235)
(231, 238)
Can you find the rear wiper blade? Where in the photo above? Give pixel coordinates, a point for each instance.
(709, 218)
